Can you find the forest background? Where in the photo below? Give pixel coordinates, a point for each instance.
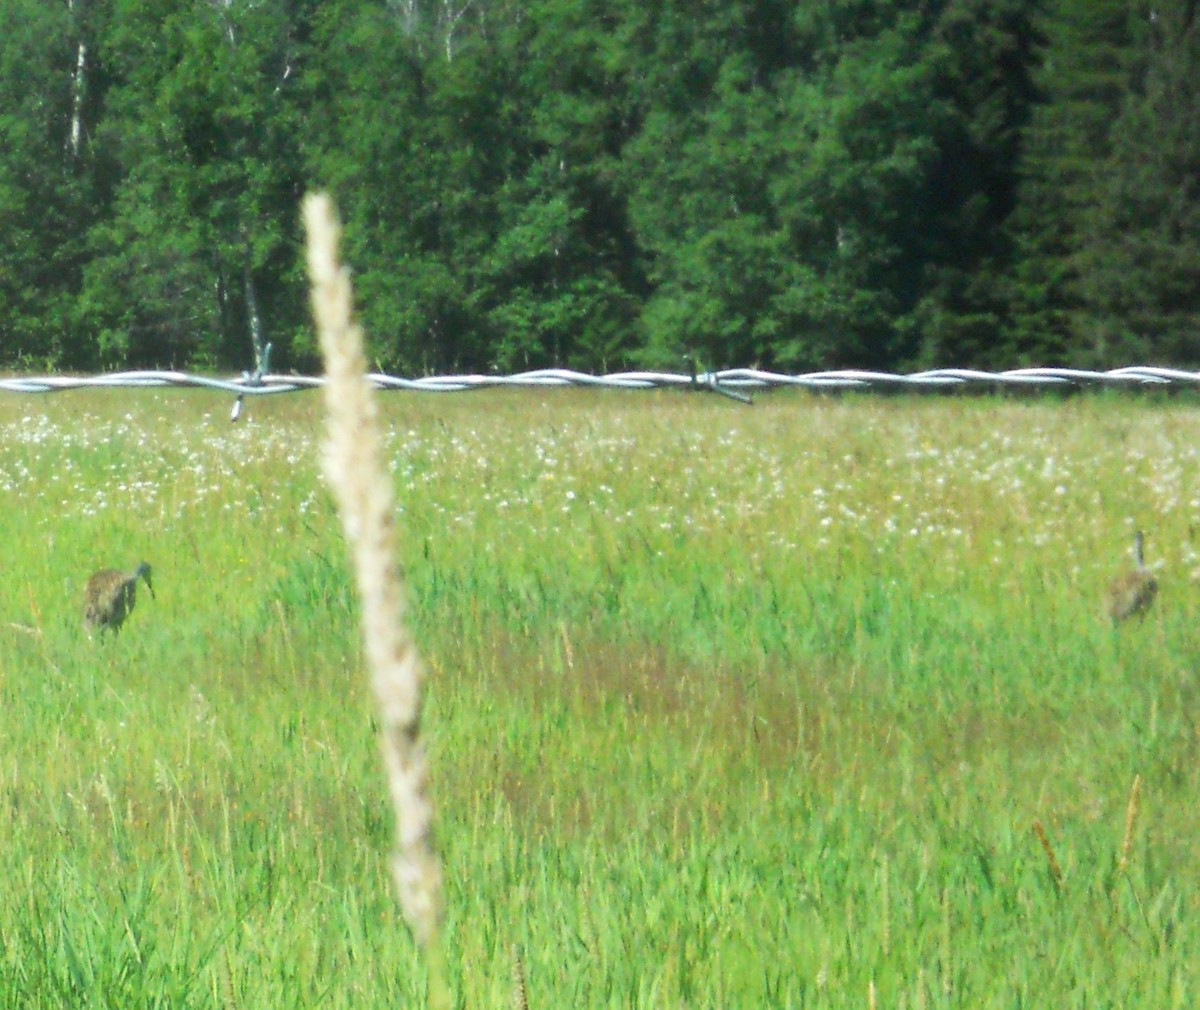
(604, 183)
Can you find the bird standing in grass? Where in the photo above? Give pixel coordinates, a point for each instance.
(110, 597)
(1133, 592)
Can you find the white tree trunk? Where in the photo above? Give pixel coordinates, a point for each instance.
(78, 89)
(452, 13)
(255, 318)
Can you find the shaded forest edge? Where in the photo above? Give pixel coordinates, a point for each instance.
(604, 184)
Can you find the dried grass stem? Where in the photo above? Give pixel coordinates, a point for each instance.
(1056, 873)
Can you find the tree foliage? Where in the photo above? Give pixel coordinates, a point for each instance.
(1139, 261)
(880, 183)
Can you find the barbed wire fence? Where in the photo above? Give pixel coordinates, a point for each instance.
(736, 383)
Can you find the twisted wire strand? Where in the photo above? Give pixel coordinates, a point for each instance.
(731, 378)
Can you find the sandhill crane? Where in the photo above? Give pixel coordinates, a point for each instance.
(1133, 592)
(110, 597)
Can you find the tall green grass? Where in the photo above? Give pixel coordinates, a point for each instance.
(728, 706)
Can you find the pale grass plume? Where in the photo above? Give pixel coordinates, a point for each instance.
(885, 911)
(355, 470)
(1131, 814)
(520, 992)
(947, 948)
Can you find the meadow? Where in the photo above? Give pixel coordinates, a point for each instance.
(728, 706)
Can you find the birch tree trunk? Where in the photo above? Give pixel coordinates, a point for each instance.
(78, 87)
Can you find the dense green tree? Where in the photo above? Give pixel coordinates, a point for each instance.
(197, 142)
(475, 160)
(563, 271)
(45, 203)
(1082, 78)
(371, 144)
(776, 192)
(1139, 258)
(697, 173)
(415, 140)
(863, 132)
(984, 53)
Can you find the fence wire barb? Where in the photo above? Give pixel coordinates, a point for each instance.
(723, 381)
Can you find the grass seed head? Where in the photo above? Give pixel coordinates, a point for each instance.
(356, 472)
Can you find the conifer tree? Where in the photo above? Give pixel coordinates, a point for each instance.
(1139, 259)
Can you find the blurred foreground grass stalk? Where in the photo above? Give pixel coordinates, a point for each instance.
(354, 466)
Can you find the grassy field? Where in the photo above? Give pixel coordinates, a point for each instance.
(728, 706)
